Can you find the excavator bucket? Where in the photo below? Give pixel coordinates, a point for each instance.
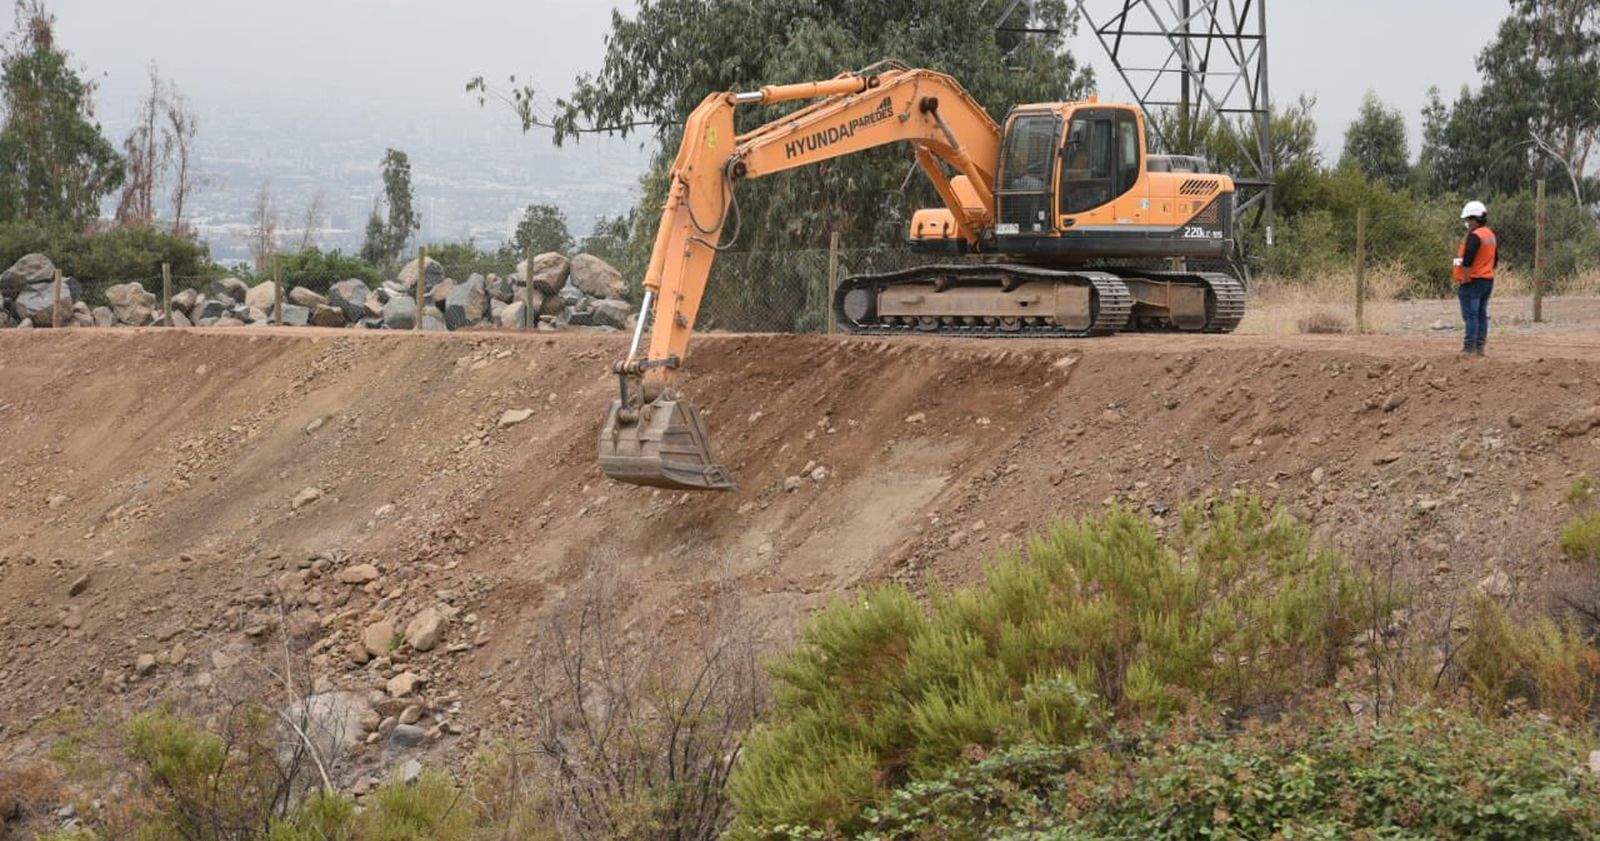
(663, 445)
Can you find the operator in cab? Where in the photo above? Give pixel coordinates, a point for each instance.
(1473, 273)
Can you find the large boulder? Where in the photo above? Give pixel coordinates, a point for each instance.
(295, 315)
(550, 271)
(350, 296)
(511, 315)
(440, 295)
(553, 305)
(612, 313)
(103, 317)
(208, 308)
(500, 288)
(184, 301)
(33, 303)
(327, 316)
(431, 322)
(571, 295)
(82, 316)
(374, 307)
(408, 275)
(597, 278)
(131, 304)
(262, 296)
(231, 288)
(306, 298)
(467, 304)
(31, 269)
(400, 313)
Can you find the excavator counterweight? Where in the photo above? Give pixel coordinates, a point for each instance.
(1065, 191)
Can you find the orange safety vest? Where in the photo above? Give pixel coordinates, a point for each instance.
(1482, 262)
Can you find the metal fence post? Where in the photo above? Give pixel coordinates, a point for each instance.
(422, 284)
(833, 281)
(530, 317)
(1361, 269)
(277, 291)
(166, 293)
(55, 303)
(1538, 251)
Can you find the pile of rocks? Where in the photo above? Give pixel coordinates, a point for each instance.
(584, 291)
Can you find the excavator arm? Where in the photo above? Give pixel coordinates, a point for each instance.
(653, 436)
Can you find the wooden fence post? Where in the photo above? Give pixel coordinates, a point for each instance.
(530, 316)
(833, 282)
(1538, 251)
(422, 284)
(1361, 269)
(166, 293)
(55, 303)
(277, 291)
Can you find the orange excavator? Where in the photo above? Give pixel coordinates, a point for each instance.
(1044, 220)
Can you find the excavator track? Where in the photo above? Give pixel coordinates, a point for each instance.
(1110, 302)
(1225, 303)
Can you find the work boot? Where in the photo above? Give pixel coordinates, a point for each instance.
(1477, 350)
(1466, 346)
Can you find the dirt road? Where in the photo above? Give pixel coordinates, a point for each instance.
(151, 478)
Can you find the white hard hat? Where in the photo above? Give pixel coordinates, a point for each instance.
(1474, 208)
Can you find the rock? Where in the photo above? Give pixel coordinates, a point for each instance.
(350, 296)
(400, 313)
(550, 272)
(263, 296)
(177, 654)
(425, 629)
(432, 322)
(231, 288)
(259, 316)
(145, 664)
(184, 301)
(1515, 421)
(467, 304)
(916, 417)
(571, 295)
(1594, 762)
(552, 305)
(1317, 475)
(306, 298)
(79, 585)
(31, 269)
(33, 304)
(1394, 401)
(305, 497)
(512, 315)
(327, 316)
(1495, 585)
(72, 619)
(1387, 458)
(358, 574)
(374, 308)
(403, 685)
(1439, 325)
(208, 308)
(131, 304)
(792, 484)
(1469, 450)
(407, 736)
(295, 315)
(408, 275)
(612, 313)
(410, 772)
(512, 417)
(411, 714)
(331, 720)
(180, 320)
(104, 317)
(1581, 422)
(378, 638)
(596, 278)
(500, 288)
(439, 295)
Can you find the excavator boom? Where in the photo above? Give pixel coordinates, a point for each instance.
(652, 435)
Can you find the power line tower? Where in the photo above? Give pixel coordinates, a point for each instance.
(1201, 60)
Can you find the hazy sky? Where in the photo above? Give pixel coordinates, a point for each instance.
(331, 59)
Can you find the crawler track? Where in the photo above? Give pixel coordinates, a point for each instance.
(1111, 303)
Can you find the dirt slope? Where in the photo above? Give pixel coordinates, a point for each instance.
(164, 465)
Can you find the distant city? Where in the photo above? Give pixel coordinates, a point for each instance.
(473, 173)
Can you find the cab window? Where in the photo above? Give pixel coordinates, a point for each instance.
(1102, 163)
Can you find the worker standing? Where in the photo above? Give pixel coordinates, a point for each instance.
(1474, 275)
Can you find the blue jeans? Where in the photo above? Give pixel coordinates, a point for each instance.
(1475, 309)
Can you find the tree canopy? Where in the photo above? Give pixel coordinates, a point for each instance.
(1376, 144)
(543, 228)
(55, 164)
(387, 238)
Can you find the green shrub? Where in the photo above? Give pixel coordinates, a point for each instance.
(1580, 491)
(1099, 621)
(1539, 664)
(317, 270)
(1580, 538)
(101, 259)
(1429, 773)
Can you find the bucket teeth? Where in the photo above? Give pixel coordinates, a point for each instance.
(666, 447)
